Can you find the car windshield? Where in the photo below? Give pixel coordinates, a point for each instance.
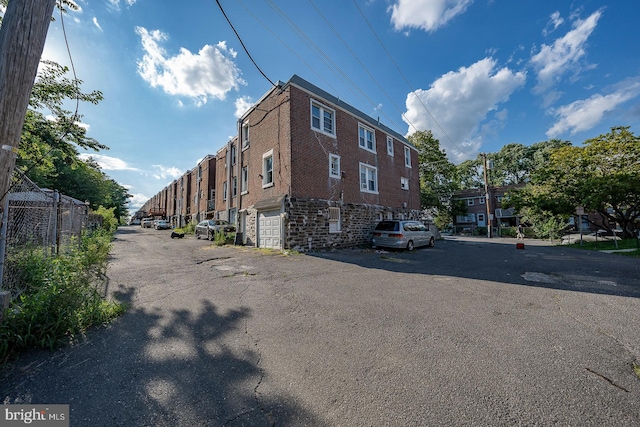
(388, 226)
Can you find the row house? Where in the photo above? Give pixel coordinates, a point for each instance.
(308, 171)
(478, 215)
(305, 171)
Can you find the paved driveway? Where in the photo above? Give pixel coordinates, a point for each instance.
(466, 333)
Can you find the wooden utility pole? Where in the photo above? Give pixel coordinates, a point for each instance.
(22, 36)
(488, 197)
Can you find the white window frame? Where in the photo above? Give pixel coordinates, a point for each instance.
(244, 180)
(234, 186)
(234, 153)
(368, 171)
(363, 140)
(334, 159)
(224, 191)
(407, 157)
(470, 202)
(334, 220)
(390, 145)
(404, 183)
(245, 135)
(267, 175)
(481, 199)
(322, 110)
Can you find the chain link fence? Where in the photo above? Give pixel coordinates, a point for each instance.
(35, 219)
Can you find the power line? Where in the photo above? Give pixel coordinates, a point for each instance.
(242, 43)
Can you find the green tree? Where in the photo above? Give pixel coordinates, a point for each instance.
(437, 173)
(603, 176)
(48, 151)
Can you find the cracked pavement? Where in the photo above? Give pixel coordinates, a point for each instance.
(466, 333)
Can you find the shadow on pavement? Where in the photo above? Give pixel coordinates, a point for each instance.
(554, 267)
(153, 368)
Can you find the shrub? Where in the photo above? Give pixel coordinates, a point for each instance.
(221, 238)
(59, 299)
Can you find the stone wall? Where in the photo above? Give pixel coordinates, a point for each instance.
(307, 223)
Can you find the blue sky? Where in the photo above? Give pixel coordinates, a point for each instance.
(479, 73)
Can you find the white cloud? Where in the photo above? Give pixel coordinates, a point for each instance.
(427, 15)
(95, 22)
(115, 4)
(564, 55)
(555, 20)
(164, 172)
(107, 162)
(211, 73)
(136, 201)
(460, 102)
(584, 114)
(242, 105)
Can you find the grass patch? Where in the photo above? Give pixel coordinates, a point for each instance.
(58, 300)
(610, 245)
(636, 369)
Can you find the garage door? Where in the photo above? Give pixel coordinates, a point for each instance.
(269, 229)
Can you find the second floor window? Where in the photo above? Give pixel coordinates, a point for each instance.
(367, 139)
(245, 135)
(234, 186)
(368, 178)
(407, 157)
(244, 180)
(323, 118)
(334, 166)
(390, 145)
(224, 190)
(267, 169)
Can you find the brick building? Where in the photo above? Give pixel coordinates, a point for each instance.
(308, 171)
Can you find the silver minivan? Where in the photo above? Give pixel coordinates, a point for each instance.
(402, 235)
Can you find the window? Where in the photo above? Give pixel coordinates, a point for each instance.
(481, 200)
(234, 186)
(367, 138)
(322, 118)
(245, 135)
(233, 154)
(390, 145)
(407, 157)
(224, 191)
(334, 220)
(244, 180)
(470, 202)
(334, 166)
(404, 183)
(267, 169)
(368, 178)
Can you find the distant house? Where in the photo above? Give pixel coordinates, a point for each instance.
(308, 171)
(475, 201)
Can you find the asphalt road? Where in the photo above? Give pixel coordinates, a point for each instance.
(466, 333)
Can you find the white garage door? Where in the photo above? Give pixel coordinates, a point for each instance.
(269, 229)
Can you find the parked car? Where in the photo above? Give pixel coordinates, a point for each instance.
(135, 221)
(210, 227)
(146, 223)
(402, 235)
(161, 224)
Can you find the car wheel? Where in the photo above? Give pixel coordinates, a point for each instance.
(432, 242)
(410, 246)
(210, 236)
(197, 236)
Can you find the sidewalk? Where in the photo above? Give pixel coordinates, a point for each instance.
(502, 240)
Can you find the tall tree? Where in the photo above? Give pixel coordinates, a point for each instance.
(603, 176)
(437, 173)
